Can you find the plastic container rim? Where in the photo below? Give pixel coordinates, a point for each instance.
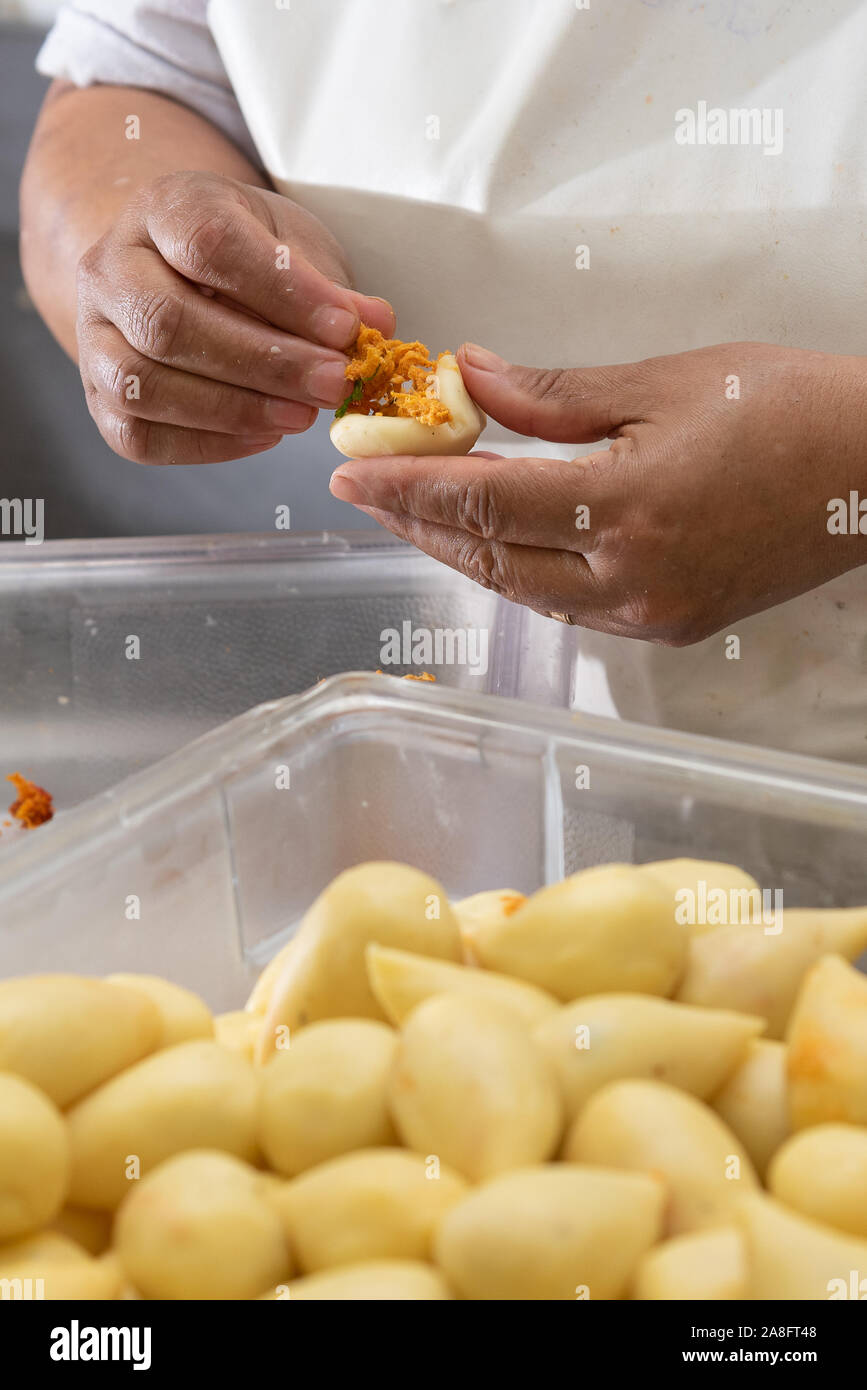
(836, 787)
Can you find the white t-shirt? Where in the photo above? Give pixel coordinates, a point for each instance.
(163, 45)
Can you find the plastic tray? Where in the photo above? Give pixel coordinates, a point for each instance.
(482, 792)
(224, 623)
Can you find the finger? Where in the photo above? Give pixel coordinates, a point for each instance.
(578, 405)
(375, 312)
(546, 580)
(316, 243)
(212, 238)
(127, 383)
(143, 441)
(165, 319)
(557, 504)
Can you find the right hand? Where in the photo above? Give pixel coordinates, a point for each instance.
(194, 345)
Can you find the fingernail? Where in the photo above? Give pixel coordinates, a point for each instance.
(334, 327)
(288, 415)
(327, 383)
(346, 489)
(378, 299)
(481, 358)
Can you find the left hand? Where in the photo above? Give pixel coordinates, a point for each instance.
(710, 503)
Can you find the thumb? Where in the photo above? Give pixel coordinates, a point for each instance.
(575, 405)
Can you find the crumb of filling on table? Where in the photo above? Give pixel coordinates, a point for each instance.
(410, 676)
(33, 805)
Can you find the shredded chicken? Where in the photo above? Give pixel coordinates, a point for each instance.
(34, 805)
(390, 377)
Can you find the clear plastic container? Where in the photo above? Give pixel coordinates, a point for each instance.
(220, 861)
(223, 623)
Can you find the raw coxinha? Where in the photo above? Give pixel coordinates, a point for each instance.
(365, 436)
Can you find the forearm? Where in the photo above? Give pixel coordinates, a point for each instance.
(82, 170)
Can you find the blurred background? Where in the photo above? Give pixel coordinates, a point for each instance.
(51, 448)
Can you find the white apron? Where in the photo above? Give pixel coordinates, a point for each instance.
(462, 150)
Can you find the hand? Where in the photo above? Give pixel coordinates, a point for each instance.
(196, 344)
(710, 504)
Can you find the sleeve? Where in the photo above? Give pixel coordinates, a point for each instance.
(162, 45)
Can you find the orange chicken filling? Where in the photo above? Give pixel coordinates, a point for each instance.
(390, 377)
(34, 804)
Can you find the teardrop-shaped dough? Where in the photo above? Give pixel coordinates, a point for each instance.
(552, 1231)
(701, 1265)
(651, 1127)
(609, 928)
(754, 1103)
(822, 1173)
(489, 907)
(323, 974)
(609, 1037)
(470, 1085)
(401, 980)
(373, 1204)
(827, 1061)
(704, 879)
(759, 972)
(369, 1281)
(791, 1257)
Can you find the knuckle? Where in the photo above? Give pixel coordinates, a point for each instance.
(134, 438)
(238, 412)
(86, 333)
(257, 369)
(548, 383)
(166, 186)
(483, 562)
(154, 324)
(91, 395)
(199, 447)
(476, 510)
(127, 435)
(113, 378)
(170, 191)
(90, 274)
(199, 242)
(246, 417)
(87, 266)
